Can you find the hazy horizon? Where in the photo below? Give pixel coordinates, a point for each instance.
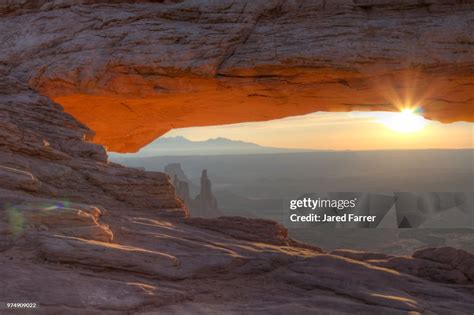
(157, 150)
(344, 131)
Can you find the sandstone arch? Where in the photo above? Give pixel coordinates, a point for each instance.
(132, 70)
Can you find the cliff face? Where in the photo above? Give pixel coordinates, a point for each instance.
(44, 156)
(128, 69)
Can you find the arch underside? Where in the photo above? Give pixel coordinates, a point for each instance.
(132, 70)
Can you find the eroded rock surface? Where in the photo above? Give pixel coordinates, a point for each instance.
(44, 155)
(132, 70)
(443, 264)
(81, 235)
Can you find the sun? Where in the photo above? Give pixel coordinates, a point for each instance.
(405, 121)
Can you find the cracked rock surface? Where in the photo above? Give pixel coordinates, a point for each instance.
(133, 70)
(82, 235)
(79, 234)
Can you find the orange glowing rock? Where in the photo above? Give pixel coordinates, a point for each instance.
(125, 122)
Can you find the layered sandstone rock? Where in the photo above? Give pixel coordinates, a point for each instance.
(255, 230)
(44, 155)
(132, 70)
(444, 264)
(457, 259)
(149, 255)
(81, 235)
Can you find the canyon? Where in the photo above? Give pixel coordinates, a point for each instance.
(82, 235)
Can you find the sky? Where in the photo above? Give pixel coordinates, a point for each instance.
(342, 131)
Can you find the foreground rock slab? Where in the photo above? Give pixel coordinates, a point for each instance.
(172, 267)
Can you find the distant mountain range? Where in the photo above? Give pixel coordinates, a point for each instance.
(168, 146)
